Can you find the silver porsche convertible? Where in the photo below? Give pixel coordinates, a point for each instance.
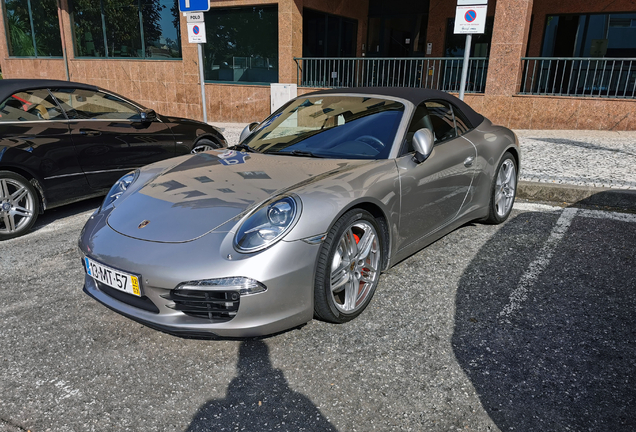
(299, 219)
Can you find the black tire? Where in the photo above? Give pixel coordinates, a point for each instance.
(19, 205)
(204, 144)
(499, 211)
(361, 280)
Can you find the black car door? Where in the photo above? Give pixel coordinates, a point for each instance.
(110, 137)
(34, 137)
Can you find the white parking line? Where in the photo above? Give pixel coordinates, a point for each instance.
(531, 275)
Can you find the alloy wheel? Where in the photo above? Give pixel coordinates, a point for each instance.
(355, 267)
(505, 187)
(17, 206)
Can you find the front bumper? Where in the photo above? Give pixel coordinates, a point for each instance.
(286, 269)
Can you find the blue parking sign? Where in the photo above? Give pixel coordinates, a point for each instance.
(194, 5)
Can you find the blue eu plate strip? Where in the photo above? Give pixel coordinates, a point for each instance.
(88, 267)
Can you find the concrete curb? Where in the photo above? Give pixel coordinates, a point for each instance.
(584, 195)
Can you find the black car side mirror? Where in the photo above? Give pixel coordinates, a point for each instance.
(248, 131)
(148, 115)
(423, 144)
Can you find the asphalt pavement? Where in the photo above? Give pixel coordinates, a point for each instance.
(524, 326)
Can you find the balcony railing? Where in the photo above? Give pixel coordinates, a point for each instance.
(440, 73)
(583, 77)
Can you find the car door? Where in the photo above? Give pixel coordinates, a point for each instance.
(110, 137)
(433, 191)
(34, 136)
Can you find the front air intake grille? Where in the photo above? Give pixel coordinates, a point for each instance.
(217, 306)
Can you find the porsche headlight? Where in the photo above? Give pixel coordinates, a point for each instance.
(119, 188)
(267, 225)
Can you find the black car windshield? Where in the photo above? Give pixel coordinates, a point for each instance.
(338, 127)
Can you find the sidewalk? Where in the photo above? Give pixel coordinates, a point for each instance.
(596, 168)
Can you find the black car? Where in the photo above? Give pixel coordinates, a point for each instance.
(62, 142)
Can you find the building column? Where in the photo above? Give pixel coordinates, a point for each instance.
(509, 42)
(290, 38)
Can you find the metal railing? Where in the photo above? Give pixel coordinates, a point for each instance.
(577, 76)
(440, 73)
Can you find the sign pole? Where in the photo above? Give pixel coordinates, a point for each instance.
(201, 79)
(462, 85)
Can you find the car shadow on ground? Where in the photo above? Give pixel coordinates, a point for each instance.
(55, 214)
(259, 399)
(564, 358)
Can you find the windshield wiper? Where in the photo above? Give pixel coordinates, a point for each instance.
(300, 153)
(244, 147)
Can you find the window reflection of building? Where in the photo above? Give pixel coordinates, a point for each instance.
(132, 28)
(242, 44)
(33, 28)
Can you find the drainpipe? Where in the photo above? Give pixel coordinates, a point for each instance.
(59, 15)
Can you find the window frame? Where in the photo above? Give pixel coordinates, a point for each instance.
(103, 34)
(7, 31)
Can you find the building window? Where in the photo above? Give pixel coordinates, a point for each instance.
(326, 35)
(590, 35)
(33, 28)
(127, 29)
(242, 45)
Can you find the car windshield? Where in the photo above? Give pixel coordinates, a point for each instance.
(338, 127)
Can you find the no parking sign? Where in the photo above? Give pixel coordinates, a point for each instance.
(470, 19)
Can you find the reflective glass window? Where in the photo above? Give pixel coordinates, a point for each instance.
(33, 28)
(85, 104)
(127, 28)
(443, 121)
(242, 44)
(590, 35)
(32, 105)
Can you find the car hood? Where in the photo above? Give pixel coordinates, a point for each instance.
(203, 192)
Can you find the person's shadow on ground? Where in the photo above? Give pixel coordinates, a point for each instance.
(259, 399)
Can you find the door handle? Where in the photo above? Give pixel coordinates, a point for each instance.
(469, 161)
(89, 132)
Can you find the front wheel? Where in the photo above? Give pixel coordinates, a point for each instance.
(19, 205)
(503, 190)
(348, 267)
(204, 145)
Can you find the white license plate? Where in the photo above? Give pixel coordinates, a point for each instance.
(113, 278)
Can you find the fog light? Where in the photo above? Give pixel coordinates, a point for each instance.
(242, 285)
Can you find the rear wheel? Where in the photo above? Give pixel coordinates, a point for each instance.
(19, 205)
(348, 267)
(503, 190)
(203, 145)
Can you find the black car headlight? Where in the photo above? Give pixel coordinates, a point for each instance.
(268, 224)
(118, 189)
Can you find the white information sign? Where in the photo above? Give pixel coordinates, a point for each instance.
(195, 17)
(196, 33)
(470, 19)
(471, 2)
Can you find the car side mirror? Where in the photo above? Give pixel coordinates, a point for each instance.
(423, 144)
(148, 115)
(248, 131)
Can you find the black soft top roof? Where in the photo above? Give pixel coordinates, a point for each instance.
(413, 95)
(12, 86)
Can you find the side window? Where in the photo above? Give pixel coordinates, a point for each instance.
(443, 121)
(89, 105)
(463, 125)
(31, 105)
